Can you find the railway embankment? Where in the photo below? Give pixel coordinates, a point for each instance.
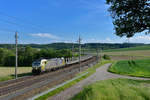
(30, 86)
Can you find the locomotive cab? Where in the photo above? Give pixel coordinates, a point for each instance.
(39, 66)
(44, 65)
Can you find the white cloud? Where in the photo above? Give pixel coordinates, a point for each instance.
(140, 39)
(106, 40)
(136, 39)
(45, 35)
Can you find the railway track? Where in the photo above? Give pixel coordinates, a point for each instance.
(21, 83)
(15, 81)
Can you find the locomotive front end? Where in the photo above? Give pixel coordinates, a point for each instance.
(39, 66)
(36, 67)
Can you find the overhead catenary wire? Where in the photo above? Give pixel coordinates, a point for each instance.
(6, 30)
(10, 22)
(35, 27)
(17, 18)
(16, 24)
(16, 34)
(22, 25)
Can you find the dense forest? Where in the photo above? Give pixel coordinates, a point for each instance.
(28, 54)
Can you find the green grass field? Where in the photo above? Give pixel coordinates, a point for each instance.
(7, 73)
(116, 89)
(132, 67)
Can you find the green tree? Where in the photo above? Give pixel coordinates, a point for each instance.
(9, 59)
(28, 56)
(130, 16)
(65, 53)
(2, 55)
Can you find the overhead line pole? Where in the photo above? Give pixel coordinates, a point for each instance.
(16, 41)
(97, 52)
(72, 51)
(79, 52)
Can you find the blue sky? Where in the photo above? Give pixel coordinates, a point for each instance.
(47, 21)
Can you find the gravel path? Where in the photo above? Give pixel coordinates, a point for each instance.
(101, 74)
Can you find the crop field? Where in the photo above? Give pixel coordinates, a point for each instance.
(140, 52)
(116, 89)
(129, 49)
(125, 55)
(144, 53)
(132, 67)
(8, 72)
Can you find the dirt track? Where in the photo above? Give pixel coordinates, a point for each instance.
(101, 74)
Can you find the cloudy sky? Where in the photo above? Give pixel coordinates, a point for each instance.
(47, 21)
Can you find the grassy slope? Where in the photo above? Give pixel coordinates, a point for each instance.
(90, 72)
(134, 68)
(116, 89)
(129, 49)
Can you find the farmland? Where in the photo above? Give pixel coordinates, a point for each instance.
(133, 61)
(7, 73)
(140, 52)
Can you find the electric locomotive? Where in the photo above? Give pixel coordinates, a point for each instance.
(43, 65)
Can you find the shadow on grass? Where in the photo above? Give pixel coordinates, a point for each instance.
(23, 74)
(132, 63)
(12, 76)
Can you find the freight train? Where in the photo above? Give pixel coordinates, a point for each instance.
(43, 65)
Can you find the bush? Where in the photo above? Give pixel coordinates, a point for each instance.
(106, 57)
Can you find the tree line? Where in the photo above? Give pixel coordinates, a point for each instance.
(58, 46)
(28, 54)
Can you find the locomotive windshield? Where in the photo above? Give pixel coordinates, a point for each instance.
(36, 63)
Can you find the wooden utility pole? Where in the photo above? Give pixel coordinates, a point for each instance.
(79, 41)
(97, 52)
(16, 41)
(72, 51)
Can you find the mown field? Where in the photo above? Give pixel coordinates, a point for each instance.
(116, 89)
(7, 73)
(140, 52)
(132, 67)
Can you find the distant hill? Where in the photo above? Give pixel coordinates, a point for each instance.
(147, 47)
(87, 46)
